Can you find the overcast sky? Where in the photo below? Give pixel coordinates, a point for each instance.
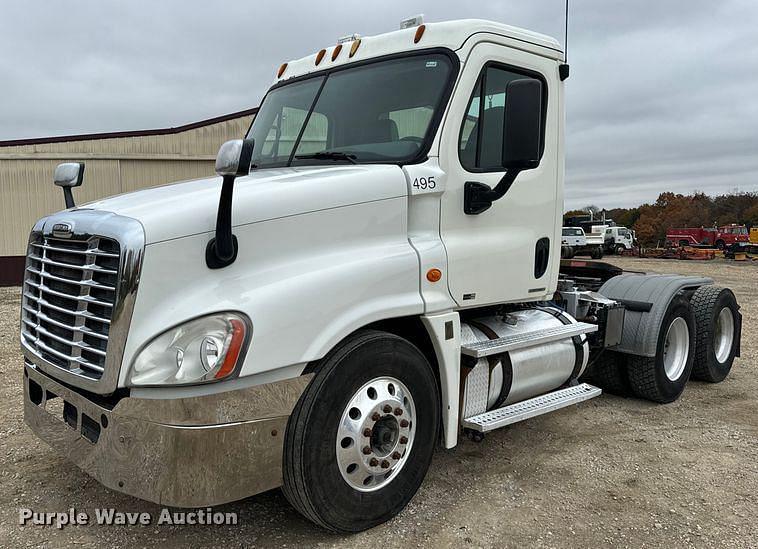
(663, 95)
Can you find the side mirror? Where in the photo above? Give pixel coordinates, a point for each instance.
(523, 124)
(233, 160)
(522, 129)
(68, 175)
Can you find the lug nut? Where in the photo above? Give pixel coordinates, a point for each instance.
(396, 455)
(366, 450)
(403, 440)
(398, 412)
(375, 416)
(403, 423)
(385, 464)
(373, 462)
(367, 432)
(387, 408)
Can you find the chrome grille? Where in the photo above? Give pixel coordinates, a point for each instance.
(70, 292)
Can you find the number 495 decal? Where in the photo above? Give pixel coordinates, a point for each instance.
(424, 183)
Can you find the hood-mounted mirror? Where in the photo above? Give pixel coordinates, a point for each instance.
(67, 176)
(232, 161)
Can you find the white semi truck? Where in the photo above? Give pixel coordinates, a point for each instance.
(375, 272)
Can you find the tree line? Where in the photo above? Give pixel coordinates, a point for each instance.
(651, 221)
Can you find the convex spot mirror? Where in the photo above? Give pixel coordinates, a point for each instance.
(522, 127)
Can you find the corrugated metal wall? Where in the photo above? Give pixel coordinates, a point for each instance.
(113, 165)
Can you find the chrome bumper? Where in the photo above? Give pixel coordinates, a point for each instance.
(185, 452)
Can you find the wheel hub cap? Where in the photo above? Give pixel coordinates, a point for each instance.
(676, 348)
(723, 335)
(375, 434)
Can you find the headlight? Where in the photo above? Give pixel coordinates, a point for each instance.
(199, 351)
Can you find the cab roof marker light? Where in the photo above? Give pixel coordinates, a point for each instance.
(319, 56)
(419, 34)
(351, 38)
(354, 47)
(282, 68)
(336, 52)
(411, 22)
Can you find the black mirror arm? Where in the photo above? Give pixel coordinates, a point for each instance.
(222, 250)
(478, 197)
(68, 196)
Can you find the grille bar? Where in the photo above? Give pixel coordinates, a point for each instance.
(87, 267)
(40, 330)
(93, 251)
(70, 294)
(43, 317)
(85, 298)
(90, 283)
(79, 361)
(85, 314)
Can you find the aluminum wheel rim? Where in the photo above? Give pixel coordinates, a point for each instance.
(676, 348)
(375, 434)
(723, 335)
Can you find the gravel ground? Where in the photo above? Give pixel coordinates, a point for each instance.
(610, 471)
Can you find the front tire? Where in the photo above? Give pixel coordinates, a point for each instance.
(662, 378)
(620, 249)
(361, 437)
(716, 314)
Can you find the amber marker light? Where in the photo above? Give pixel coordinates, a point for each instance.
(230, 360)
(354, 47)
(281, 70)
(336, 52)
(319, 56)
(433, 275)
(419, 33)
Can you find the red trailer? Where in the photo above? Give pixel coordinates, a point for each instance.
(720, 237)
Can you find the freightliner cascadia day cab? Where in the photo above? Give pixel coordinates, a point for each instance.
(375, 273)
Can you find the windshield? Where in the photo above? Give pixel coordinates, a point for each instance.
(385, 111)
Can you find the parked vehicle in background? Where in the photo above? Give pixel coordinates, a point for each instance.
(719, 237)
(753, 235)
(617, 239)
(574, 242)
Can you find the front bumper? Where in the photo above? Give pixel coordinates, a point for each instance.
(182, 452)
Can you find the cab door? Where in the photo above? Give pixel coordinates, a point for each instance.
(511, 251)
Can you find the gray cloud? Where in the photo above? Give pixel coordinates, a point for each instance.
(662, 95)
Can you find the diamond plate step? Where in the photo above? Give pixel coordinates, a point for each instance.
(536, 406)
(521, 340)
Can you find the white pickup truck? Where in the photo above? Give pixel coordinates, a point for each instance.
(375, 271)
(574, 242)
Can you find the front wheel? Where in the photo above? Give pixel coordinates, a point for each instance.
(361, 437)
(620, 249)
(720, 244)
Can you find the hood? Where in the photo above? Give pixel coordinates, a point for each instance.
(189, 207)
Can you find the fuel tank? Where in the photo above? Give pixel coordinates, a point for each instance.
(517, 375)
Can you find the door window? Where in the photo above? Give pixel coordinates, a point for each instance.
(480, 144)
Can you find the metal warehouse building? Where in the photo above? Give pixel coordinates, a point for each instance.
(115, 163)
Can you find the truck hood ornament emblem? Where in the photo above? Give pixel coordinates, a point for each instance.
(63, 230)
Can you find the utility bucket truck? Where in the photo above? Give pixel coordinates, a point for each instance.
(374, 272)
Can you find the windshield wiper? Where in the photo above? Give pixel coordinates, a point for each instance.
(328, 155)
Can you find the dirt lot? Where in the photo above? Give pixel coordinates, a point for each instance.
(610, 471)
